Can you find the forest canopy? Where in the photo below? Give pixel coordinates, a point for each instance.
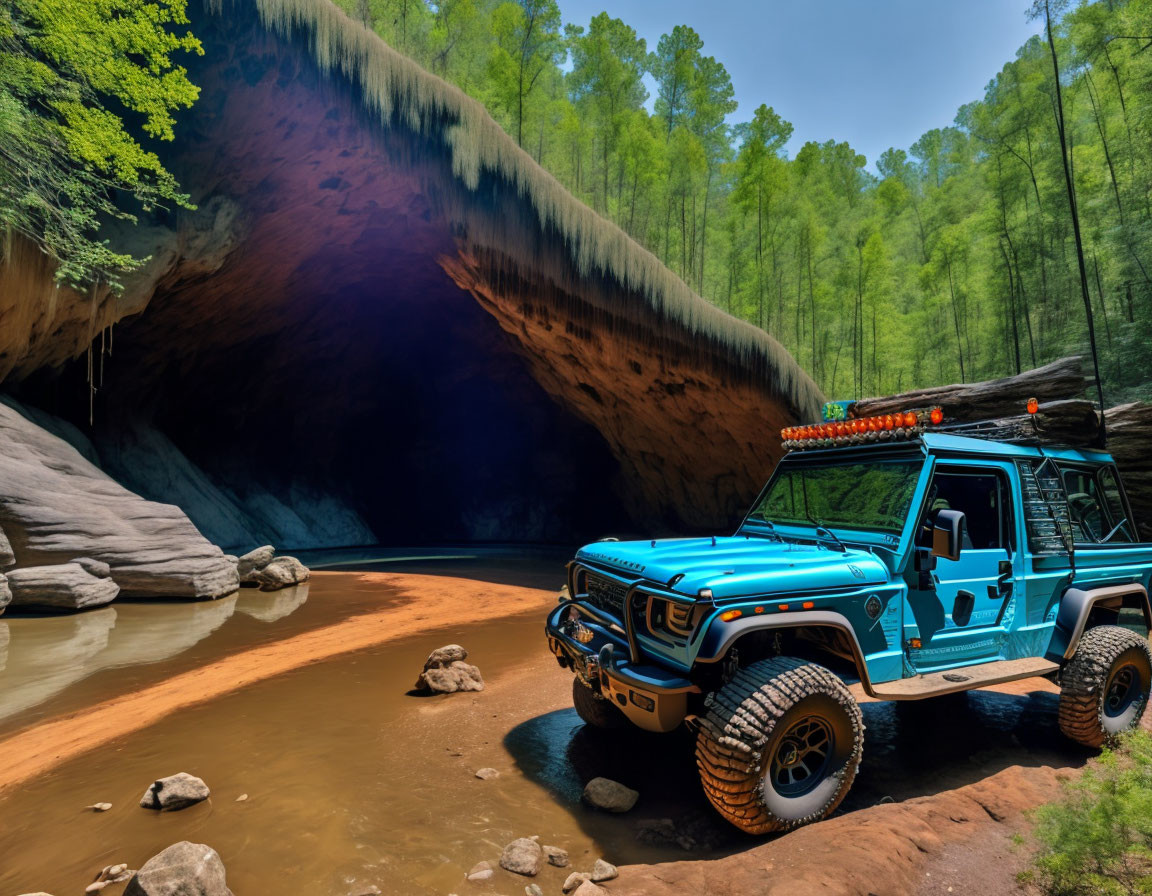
(82, 83)
(955, 260)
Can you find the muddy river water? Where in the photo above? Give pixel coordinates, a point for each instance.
(352, 782)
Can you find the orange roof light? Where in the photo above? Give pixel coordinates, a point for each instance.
(889, 421)
(909, 420)
(936, 416)
(1033, 406)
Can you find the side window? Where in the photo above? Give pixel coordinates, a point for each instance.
(982, 496)
(1097, 509)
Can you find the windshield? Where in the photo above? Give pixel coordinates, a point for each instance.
(873, 496)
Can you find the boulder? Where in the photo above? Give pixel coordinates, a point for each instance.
(522, 856)
(183, 869)
(175, 792)
(56, 506)
(65, 585)
(5, 593)
(609, 795)
(255, 560)
(282, 572)
(556, 856)
(445, 672)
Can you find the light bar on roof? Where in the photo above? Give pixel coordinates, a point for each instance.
(862, 430)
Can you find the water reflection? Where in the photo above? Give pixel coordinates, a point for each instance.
(42, 656)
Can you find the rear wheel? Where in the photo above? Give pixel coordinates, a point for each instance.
(1104, 687)
(780, 745)
(595, 710)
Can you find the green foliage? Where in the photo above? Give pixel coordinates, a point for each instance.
(1097, 840)
(79, 81)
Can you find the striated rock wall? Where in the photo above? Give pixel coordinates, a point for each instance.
(56, 507)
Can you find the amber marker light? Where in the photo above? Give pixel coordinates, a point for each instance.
(1033, 406)
(807, 605)
(781, 606)
(759, 610)
(937, 416)
(729, 615)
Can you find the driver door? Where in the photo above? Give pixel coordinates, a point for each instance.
(965, 617)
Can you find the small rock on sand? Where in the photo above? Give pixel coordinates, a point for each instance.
(602, 871)
(575, 879)
(609, 795)
(175, 792)
(242, 798)
(487, 774)
(99, 807)
(481, 871)
(589, 889)
(556, 856)
(533, 890)
(522, 856)
(445, 672)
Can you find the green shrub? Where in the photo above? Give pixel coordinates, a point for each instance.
(1097, 839)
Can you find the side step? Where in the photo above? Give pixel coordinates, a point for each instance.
(965, 678)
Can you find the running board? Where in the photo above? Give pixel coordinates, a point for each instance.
(933, 684)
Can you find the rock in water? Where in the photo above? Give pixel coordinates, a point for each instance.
(253, 561)
(522, 856)
(5, 593)
(556, 856)
(445, 672)
(602, 871)
(175, 792)
(66, 585)
(99, 807)
(183, 869)
(609, 795)
(56, 506)
(270, 573)
(481, 871)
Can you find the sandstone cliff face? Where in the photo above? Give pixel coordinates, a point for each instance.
(77, 536)
(386, 323)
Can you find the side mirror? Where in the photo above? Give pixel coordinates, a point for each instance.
(948, 534)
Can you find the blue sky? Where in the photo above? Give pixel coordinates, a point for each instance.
(876, 74)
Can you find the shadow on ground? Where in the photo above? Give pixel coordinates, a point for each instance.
(911, 750)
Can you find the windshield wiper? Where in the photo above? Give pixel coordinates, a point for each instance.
(820, 529)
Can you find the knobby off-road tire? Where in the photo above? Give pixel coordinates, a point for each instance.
(1104, 687)
(595, 710)
(779, 746)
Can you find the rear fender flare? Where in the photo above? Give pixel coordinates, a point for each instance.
(1076, 606)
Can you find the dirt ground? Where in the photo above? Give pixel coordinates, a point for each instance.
(942, 790)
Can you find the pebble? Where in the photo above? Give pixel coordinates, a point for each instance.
(99, 807)
(242, 798)
(533, 890)
(481, 871)
(575, 879)
(486, 774)
(603, 871)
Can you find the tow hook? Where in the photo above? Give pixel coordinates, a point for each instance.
(606, 662)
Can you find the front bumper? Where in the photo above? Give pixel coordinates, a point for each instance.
(650, 696)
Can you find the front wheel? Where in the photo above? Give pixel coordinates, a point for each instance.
(779, 746)
(594, 709)
(1104, 688)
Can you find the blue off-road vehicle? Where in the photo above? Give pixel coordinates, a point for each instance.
(899, 555)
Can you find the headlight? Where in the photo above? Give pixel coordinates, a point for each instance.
(672, 617)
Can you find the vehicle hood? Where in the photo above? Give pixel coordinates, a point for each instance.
(737, 566)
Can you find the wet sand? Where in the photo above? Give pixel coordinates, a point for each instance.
(429, 602)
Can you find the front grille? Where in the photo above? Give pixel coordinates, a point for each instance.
(606, 594)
